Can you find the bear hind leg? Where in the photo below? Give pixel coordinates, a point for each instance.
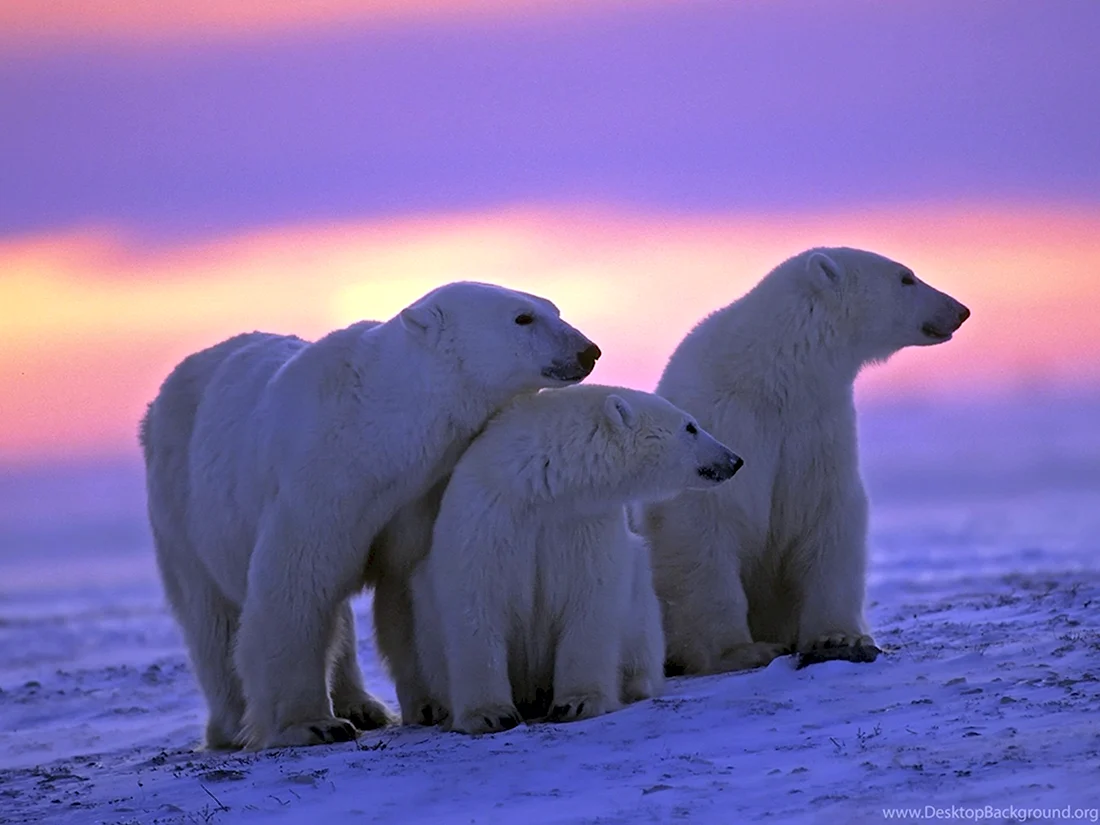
(209, 622)
(394, 633)
(350, 700)
(709, 632)
(643, 675)
(750, 655)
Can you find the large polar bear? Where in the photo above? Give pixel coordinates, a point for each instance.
(536, 596)
(275, 468)
(777, 560)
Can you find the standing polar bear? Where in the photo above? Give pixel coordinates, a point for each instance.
(536, 596)
(274, 467)
(777, 561)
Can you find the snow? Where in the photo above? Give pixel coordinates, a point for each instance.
(985, 593)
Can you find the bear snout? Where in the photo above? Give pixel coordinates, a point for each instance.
(953, 315)
(588, 356)
(946, 322)
(577, 368)
(722, 470)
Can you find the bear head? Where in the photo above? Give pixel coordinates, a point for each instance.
(660, 449)
(878, 306)
(501, 341)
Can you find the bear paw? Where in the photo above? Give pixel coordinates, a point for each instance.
(317, 732)
(751, 655)
(637, 689)
(428, 712)
(488, 719)
(842, 647)
(578, 706)
(365, 712)
(221, 736)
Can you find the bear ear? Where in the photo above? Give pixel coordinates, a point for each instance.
(423, 320)
(619, 412)
(823, 269)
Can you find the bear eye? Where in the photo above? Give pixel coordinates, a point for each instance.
(907, 279)
(525, 318)
(692, 429)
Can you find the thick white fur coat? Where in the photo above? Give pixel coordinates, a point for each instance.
(274, 467)
(777, 560)
(536, 597)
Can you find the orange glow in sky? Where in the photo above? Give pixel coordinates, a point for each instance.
(68, 20)
(90, 325)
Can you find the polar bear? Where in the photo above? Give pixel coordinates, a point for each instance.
(540, 596)
(274, 467)
(643, 643)
(776, 562)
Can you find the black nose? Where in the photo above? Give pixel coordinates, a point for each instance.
(722, 470)
(587, 357)
(964, 313)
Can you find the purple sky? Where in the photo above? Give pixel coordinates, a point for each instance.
(781, 106)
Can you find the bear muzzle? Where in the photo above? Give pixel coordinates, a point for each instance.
(575, 369)
(722, 470)
(946, 322)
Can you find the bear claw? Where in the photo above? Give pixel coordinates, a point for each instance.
(563, 713)
(492, 719)
(577, 707)
(318, 732)
(345, 732)
(431, 713)
(839, 647)
(366, 713)
(501, 723)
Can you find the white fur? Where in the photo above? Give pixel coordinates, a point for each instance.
(283, 476)
(536, 596)
(777, 560)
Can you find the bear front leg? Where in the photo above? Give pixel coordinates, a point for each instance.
(832, 585)
(481, 694)
(477, 668)
(209, 622)
(587, 663)
(295, 590)
(432, 708)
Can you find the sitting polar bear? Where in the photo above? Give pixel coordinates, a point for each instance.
(536, 596)
(777, 561)
(274, 468)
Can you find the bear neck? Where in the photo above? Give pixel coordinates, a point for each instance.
(796, 354)
(422, 378)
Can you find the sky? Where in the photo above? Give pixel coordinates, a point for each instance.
(174, 173)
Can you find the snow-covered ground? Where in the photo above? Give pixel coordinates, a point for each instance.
(985, 594)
